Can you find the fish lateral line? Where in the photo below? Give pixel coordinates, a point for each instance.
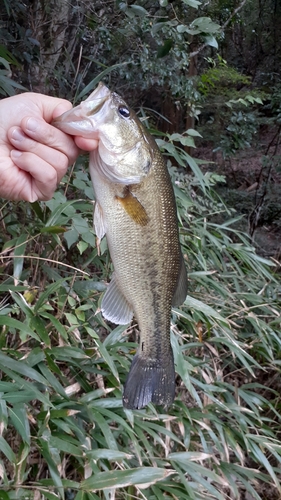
(133, 207)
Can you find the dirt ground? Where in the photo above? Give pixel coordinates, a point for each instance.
(253, 188)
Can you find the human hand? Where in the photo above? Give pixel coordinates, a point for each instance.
(34, 156)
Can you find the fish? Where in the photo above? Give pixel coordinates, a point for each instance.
(135, 208)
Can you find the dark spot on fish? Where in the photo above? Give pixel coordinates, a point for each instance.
(142, 346)
(147, 166)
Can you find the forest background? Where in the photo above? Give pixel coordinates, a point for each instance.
(205, 78)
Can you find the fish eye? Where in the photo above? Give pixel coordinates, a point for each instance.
(124, 111)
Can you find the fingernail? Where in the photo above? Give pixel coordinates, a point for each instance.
(18, 135)
(32, 124)
(15, 153)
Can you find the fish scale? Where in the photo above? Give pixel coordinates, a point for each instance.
(135, 208)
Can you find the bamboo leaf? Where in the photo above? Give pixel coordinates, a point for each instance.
(20, 367)
(142, 477)
(7, 450)
(20, 246)
(18, 325)
(19, 419)
(52, 288)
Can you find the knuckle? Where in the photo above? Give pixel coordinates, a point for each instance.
(66, 162)
(50, 176)
(49, 137)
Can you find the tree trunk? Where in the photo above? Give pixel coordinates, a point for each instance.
(50, 22)
(190, 120)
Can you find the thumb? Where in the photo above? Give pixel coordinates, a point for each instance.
(61, 108)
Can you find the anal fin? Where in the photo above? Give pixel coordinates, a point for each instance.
(181, 288)
(114, 305)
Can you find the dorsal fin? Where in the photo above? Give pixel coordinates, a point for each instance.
(181, 288)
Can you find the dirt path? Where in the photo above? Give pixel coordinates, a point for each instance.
(253, 188)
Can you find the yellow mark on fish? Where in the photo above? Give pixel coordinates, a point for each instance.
(133, 207)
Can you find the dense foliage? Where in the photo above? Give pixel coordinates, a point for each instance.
(63, 430)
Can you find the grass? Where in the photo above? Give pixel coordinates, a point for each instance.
(63, 431)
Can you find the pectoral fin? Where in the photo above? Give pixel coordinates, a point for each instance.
(114, 305)
(133, 207)
(99, 223)
(181, 288)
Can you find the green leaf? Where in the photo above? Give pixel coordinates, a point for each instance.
(142, 477)
(44, 297)
(37, 324)
(19, 397)
(46, 494)
(20, 421)
(138, 10)
(46, 451)
(164, 49)
(105, 428)
(22, 368)
(20, 300)
(211, 41)
(185, 456)
(3, 411)
(66, 446)
(204, 24)
(53, 382)
(106, 356)
(57, 324)
(5, 55)
(112, 455)
(85, 287)
(4, 495)
(192, 3)
(18, 325)
(196, 170)
(193, 132)
(98, 78)
(71, 237)
(53, 229)
(67, 352)
(7, 450)
(19, 384)
(82, 246)
(203, 308)
(20, 246)
(56, 214)
(89, 238)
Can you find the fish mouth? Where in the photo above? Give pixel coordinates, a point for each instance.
(96, 100)
(84, 118)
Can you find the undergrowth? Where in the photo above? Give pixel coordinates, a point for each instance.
(63, 430)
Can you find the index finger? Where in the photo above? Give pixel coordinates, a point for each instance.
(86, 144)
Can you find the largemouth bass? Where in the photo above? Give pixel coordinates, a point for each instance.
(135, 207)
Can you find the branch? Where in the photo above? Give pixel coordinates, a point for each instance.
(193, 54)
(234, 13)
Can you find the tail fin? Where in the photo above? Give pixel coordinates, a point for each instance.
(150, 380)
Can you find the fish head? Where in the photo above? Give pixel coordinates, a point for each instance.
(125, 150)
